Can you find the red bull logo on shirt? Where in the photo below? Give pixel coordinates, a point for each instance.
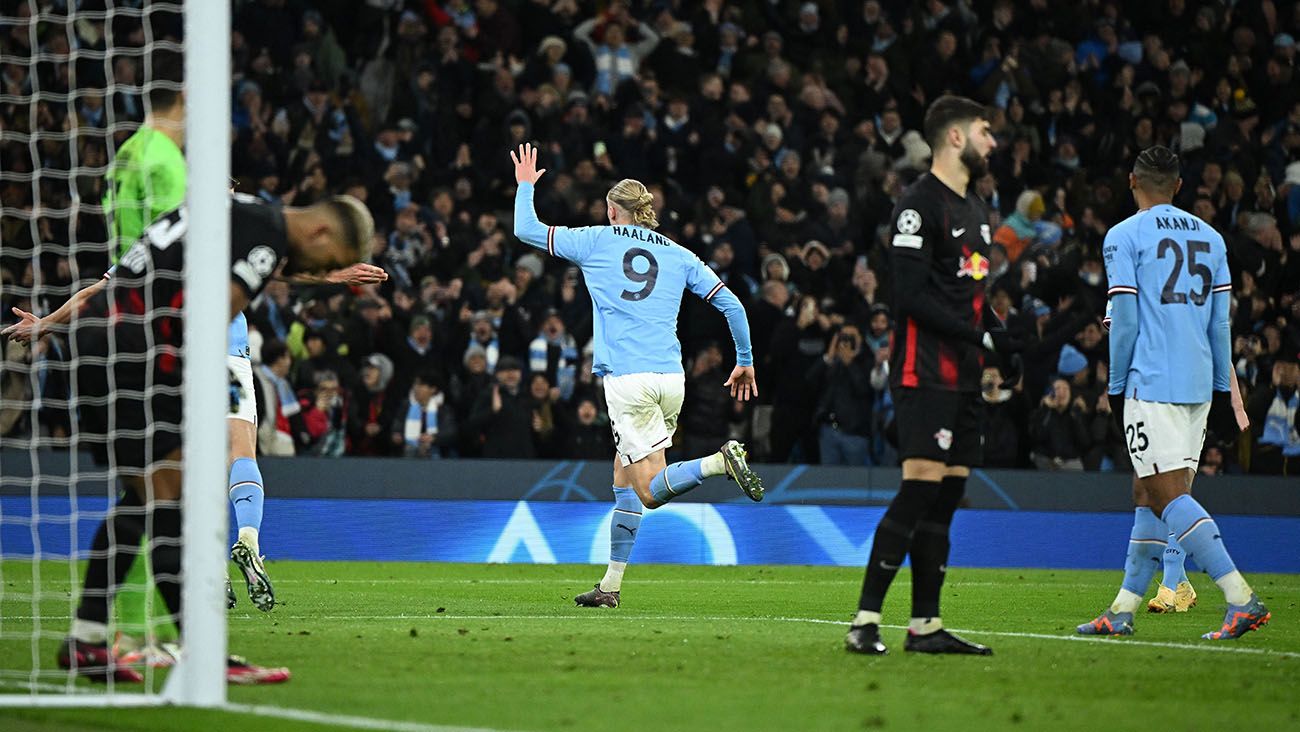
(975, 266)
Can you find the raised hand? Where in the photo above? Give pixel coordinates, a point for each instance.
(525, 161)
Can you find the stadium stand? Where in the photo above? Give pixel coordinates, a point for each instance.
(777, 135)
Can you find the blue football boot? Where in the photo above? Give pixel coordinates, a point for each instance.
(1241, 619)
(1108, 623)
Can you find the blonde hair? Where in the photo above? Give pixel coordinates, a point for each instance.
(633, 197)
(357, 226)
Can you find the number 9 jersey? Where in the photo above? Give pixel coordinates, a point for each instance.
(636, 278)
(1174, 264)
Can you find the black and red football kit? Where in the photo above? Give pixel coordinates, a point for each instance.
(129, 337)
(940, 247)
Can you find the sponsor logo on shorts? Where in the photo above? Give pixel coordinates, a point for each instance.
(943, 438)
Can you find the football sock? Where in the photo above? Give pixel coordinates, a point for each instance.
(924, 626)
(1175, 565)
(1125, 602)
(89, 631)
(247, 496)
(712, 465)
(134, 590)
(613, 579)
(893, 538)
(1146, 546)
(1199, 536)
(930, 547)
(165, 554)
(622, 535)
(677, 479)
(1235, 589)
(866, 617)
(112, 552)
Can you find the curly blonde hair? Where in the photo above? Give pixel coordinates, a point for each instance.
(633, 197)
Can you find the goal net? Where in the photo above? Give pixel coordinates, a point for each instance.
(78, 79)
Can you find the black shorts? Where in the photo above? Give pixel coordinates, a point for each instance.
(934, 424)
(134, 421)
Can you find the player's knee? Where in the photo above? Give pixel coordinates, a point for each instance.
(1159, 501)
(1162, 488)
(1140, 494)
(243, 440)
(647, 498)
(164, 484)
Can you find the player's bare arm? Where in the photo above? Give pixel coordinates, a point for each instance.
(30, 327)
(355, 275)
(238, 300)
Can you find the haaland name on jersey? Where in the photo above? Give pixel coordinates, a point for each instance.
(645, 235)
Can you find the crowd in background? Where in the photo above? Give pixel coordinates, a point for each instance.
(776, 136)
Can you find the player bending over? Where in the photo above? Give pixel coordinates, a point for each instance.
(636, 278)
(940, 251)
(246, 489)
(1170, 372)
(129, 379)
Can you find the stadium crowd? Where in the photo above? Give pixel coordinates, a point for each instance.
(776, 136)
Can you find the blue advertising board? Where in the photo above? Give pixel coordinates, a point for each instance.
(332, 529)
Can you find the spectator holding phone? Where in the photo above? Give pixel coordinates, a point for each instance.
(844, 400)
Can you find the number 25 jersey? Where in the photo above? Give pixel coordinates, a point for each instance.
(636, 278)
(1174, 263)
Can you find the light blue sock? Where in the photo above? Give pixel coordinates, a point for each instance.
(1175, 565)
(624, 525)
(677, 479)
(1146, 544)
(1198, 535)
(246, 494)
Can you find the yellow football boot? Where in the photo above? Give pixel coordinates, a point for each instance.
(1165, 601)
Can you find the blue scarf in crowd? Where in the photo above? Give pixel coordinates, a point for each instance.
(421, 419)
(1279, 424)
(612, 67)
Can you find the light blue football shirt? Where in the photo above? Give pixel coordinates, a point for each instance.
(239, 336)
(636, 278)
(1176, 267)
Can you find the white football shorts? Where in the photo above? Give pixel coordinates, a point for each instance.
(1164, 437)
(242, 368)
(643, 410)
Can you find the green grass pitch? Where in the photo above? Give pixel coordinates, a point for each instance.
(502, 647)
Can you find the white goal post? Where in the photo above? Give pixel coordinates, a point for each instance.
(41, 610)
(200, 678)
